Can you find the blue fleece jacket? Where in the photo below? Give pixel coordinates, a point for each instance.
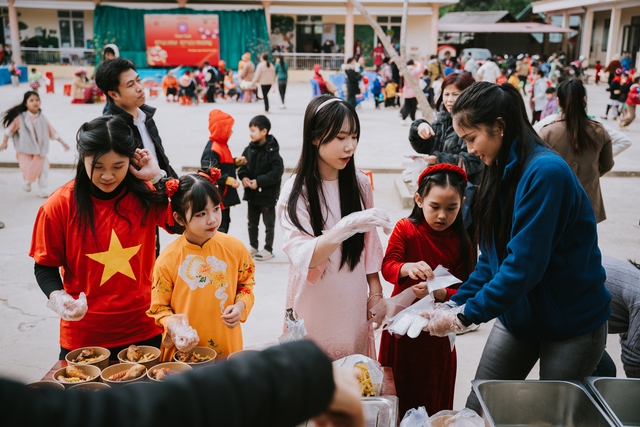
(550, 286)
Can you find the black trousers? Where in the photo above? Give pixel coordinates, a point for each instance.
(153, 342)
(211, 94)
(226, 220)
(265, 96)
(268, 218)
(409, 108)
(282, 88)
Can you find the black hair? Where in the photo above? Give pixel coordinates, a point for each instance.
(572, 101)
(350, 60)
(460, 80)
(261, 122)
(322, 125)
(95, 139)
(410, 62)
(265, 57)
(33, 70)
(108, 74)
(487, 105)
(550, 89)
(107, 50)
(540, 72)
(446, 179)
(16, 110)
(194, 192)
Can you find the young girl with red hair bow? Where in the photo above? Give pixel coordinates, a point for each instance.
(434, 234)
(203, 281)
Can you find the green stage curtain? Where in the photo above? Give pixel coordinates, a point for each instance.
(240, 32)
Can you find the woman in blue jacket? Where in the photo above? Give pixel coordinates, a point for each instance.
(540, 272)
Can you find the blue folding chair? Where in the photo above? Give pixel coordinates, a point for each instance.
(315, 88)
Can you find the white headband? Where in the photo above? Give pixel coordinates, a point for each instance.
(328, 101)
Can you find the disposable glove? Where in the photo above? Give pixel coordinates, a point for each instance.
(179, 333)
(66, 306)
(359, 222)
(444, 320)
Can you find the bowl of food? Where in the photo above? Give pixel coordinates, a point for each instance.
(240, 353)
(90, 387)
(123, 374)
(143, 354)
(97, 356)
(76, 374)
(163, 370)
(46, 385)
(196, 358)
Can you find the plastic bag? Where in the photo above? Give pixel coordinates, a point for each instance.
(463, 418)
(295, 327)
(409, 321)
(415, 418)
(373, 367)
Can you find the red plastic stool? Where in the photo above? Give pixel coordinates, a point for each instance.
(369, 175)
(153, 92)
(66, 90)
(185, 100)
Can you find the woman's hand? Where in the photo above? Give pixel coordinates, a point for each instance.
(231, 315)
(143, 166)
(5, 144)
(417, 271)
(372, 303)
(420, 290)
(425, 131)
(253, 184)
(345, 408)
(64, 145)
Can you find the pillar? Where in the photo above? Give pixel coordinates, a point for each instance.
(613, 47)
(585, 41)
(348, 33)
(16, 52)
(433, 33)
(267, 15)
(565, 36)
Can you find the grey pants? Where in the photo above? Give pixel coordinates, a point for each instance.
(507, 358)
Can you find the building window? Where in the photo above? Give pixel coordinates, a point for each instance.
(71, 24)
(309, 30)
(391, 25)
(605, 34)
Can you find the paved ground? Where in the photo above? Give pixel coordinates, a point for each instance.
(28, 338)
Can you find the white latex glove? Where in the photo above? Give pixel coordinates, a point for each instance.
(359, 222)
(66, 306)
(179, 333)
(444, 320)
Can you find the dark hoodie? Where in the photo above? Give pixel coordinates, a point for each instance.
(265, 165)
(217, 154)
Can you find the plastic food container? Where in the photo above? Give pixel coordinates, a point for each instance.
(100, 351)
(202, 351)
(120, 367)
(146, 349)
(91, 370)
(175, 367)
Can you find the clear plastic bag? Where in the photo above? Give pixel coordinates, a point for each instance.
(415, 418)
(387, 308)
(295, 327)
(464, 418)
(373, 367)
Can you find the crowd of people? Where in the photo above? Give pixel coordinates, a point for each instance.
(528, 200)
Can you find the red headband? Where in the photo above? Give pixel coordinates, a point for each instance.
(214, 175)
(171, 187)
(442, 167)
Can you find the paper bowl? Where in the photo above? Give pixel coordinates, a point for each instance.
(90, 370)
(114, 369)
(90, 387)
(100, 351)
(240, 353)
(155, 352)
(177, 367)
(53, 385)
(202, 351)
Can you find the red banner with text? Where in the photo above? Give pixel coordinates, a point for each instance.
(188, 40)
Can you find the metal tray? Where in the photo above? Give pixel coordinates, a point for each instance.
(379, 411)
(620, 397)
(538, 403)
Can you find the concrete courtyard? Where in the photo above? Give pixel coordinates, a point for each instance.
(29, 335)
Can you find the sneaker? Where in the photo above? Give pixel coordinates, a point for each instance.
(263, 255)
(282, 107)
(43, 193)
(26, 186)
(252, 251)
(604, 118)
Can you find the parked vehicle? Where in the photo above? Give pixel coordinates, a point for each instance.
(478, 54)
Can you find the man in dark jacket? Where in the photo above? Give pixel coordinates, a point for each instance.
(261, 177)
(353, 81)
(119, 81)
(212, 78)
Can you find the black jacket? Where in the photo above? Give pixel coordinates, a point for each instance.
(211, 159)
(446, 146)
(281, 386)
(353, 81)
(150, 124)
(265, 165)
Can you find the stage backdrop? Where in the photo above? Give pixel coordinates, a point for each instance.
(239, 32)
(174, 40)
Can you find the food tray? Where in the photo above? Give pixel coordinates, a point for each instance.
(620, 397)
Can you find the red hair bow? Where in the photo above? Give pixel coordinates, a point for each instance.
(214, 175)
(171, 187)
(443, 167)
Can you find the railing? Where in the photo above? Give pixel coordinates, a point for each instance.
(306, 61)
(65, 55)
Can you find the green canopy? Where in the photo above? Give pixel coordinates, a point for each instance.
(240, 31)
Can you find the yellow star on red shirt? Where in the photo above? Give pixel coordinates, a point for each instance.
(116, 259)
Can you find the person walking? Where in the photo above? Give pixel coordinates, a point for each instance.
(265, 76)
(282, 73)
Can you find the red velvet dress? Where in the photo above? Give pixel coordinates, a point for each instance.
(424, 368)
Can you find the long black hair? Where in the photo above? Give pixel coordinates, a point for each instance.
(194, 192)
(16, 110)
(572, 100)
(486, 105)
(95, 139)
(456, 181)
(322, 125)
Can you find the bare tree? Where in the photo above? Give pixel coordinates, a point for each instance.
(400, 61)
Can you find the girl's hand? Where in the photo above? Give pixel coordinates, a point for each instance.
(440, 295)
(231, 316)
(246, 182)
(372, 303)
(420, 290)
(65, 145)
(425, 131)
(253, 184)
(143, 166)
(4, 145)
(417, 271)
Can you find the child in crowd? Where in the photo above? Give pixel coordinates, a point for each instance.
(101, 228)
(513, 80)
(391, 94)
(203, 281)
(503, 76)
(217, 154)
(15, 72)
(598, 70)
(432, 235)
(329, 224)
(230, 86)
(551, 106)
(614, 96)
(376, 89)
(31, 132)
(261, 178)
(36, 79)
